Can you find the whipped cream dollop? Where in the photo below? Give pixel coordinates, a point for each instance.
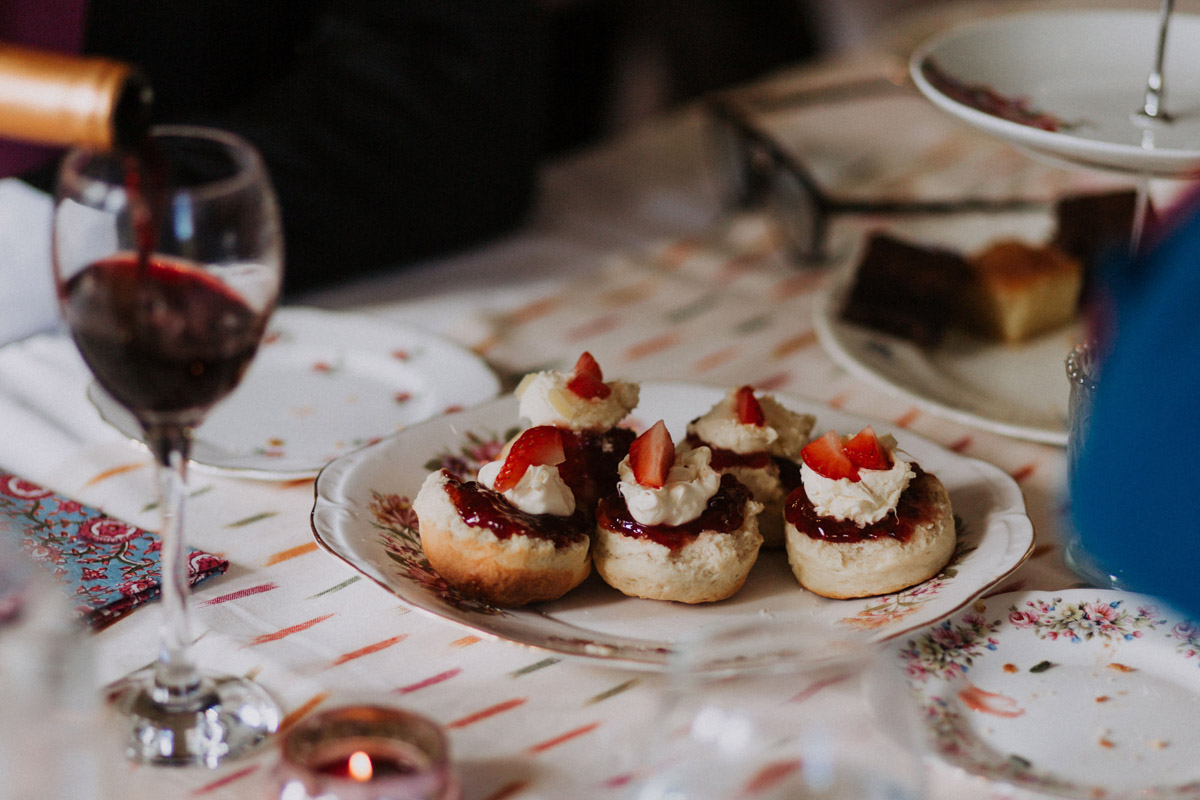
(690, 484)
(865, 501)
(784, 432)
(541, 489)
(546, 400)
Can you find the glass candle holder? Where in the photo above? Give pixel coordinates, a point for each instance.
(1082, 375)
(366, 752)
(1083, 372)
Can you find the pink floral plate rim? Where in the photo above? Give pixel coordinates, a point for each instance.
(362, 514)
(1079, 693)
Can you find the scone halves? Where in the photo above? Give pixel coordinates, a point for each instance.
(677, 530)
(515, 536)
(866, 521)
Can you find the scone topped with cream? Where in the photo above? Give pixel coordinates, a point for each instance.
(588, 410)
(757, 440)
(866, 519)
(676, 529)
(580, 400)
(514, 536)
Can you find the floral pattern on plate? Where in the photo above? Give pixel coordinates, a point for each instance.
(361, 515)
(1082, 693)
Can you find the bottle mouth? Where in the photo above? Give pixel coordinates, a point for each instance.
(132, 111)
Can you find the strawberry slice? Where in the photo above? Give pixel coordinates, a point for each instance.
(749, 412)
(652, 455)
(587, 381)
(826, 457)
(865, 451)
(539, 446)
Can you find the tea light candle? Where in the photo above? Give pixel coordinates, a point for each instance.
(365, 752)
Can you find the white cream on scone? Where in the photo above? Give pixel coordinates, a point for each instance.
(865, 501)
(541, 489)
(690, 484)
(784, 432)
(546, 400)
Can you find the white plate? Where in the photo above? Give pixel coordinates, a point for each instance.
(1016, 390)
(324, 383)
(362, 515)
(1083, 693)
(1086, 67)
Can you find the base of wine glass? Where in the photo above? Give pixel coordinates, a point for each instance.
(224, 718)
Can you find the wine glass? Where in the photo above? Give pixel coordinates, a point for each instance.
(798, 712)
(168, 262)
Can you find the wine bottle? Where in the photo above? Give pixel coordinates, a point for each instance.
(56, 99)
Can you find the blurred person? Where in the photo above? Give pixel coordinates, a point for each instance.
(1135, 483)
(393, 130)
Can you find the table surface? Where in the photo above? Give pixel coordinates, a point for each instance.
(590, 265)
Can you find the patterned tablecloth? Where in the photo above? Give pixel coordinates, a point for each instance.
(644, 279)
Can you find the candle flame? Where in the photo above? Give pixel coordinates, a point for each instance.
(360, 766)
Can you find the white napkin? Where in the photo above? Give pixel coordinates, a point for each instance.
(27, 303)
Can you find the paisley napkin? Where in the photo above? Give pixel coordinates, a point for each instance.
(110, 567)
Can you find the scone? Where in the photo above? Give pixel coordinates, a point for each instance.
(758, 441)
(866, 520)
(1018, 291)
(588, 410)
(676, 530)
(514, 536)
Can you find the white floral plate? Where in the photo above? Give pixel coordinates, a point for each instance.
(363, 515)
(324, 383)
(1086, 67)
(1083, 693)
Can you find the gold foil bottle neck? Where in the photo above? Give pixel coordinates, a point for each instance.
(55, 99)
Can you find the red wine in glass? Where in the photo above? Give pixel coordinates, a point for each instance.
(160, 335)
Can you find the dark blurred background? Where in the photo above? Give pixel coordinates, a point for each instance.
(612, 63)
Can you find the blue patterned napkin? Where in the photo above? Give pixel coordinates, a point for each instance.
(110, 567)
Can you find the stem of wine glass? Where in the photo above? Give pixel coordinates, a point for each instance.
(176, 677)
